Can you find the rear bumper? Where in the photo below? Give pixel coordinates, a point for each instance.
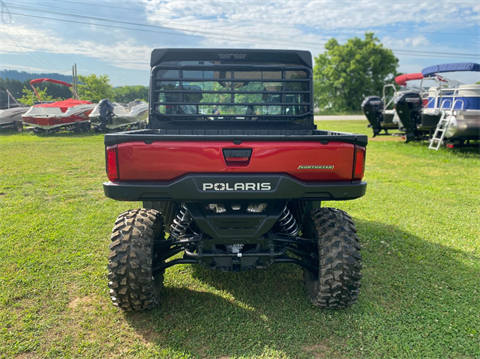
(238, 187)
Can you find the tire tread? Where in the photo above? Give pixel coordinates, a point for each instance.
(338, 282)
(132, 286)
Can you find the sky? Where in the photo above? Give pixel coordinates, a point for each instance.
(116, 37)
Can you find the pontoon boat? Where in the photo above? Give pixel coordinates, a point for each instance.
(452, 110)
(459, 107)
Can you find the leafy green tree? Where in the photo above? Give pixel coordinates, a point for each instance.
(29, 96)
(130, 93)
(345, 74)
(94, 88)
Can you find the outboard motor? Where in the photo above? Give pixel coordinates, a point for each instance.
(409, 109)
(372, 107)
(105, 108)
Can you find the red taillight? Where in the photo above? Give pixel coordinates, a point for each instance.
(359, 166)
(450, 145)
(112, 164)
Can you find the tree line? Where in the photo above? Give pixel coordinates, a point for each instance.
(92, 88)
(23, 75)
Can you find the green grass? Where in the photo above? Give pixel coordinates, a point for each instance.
(418, 223)
(330, 112)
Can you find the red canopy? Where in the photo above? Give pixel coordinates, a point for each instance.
(402, 79)
(36, 81)
(65, 104)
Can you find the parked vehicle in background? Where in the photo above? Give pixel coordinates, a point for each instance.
(11, 115)
(233, 167)
(67, 115)
(112, 116)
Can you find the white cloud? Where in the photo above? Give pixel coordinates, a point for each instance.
(307, 24)
(250, 24)
(124, 54)
(278, 18)
(24, 68)
(406, 42)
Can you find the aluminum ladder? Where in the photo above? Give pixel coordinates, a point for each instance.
(443, 125)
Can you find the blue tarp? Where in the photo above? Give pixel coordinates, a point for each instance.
(454, 67)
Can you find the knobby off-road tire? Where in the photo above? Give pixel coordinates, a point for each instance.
(133, 252)
(339, 259)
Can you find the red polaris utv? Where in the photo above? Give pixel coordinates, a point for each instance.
(233, 168)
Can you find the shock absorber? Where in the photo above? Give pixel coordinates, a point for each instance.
(180, 224)
(288, 223)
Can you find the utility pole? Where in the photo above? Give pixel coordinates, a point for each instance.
(74, 80)
(74, 77)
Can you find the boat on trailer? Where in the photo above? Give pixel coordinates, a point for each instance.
(70, 115)
(378, 111)
(112, 116)
(11, 115)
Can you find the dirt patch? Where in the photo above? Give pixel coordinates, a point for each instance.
(82, 301)
(149, 337)
(318, 351)
(26, 356)
(88, 302)
(202, 351)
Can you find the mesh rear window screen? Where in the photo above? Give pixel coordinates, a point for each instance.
(223, 93)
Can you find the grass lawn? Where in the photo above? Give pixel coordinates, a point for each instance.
(420, 297)
(329, 112)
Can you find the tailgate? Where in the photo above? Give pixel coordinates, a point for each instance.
(309, 161)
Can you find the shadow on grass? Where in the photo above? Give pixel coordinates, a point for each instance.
(471, 149)
(4, 132)
(66, 134)
(408, 284)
